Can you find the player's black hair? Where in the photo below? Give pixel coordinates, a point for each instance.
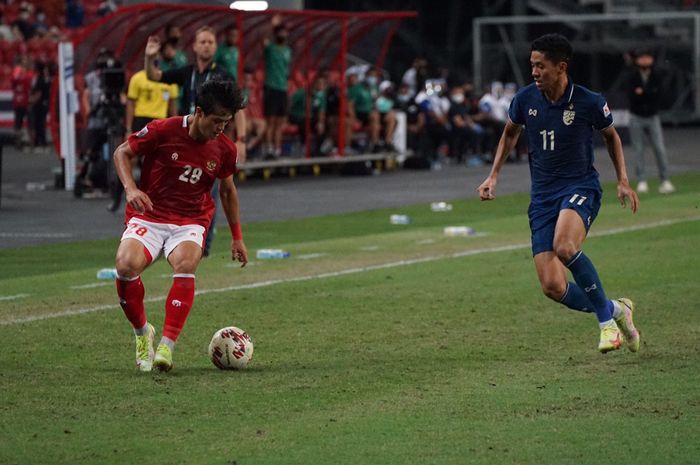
(555, 47)
(217, 94)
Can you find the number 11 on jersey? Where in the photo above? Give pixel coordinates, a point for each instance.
(544, 134)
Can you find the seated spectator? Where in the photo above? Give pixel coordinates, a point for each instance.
(465, 134)
(317, 113)
(387, 116)
(415, 119)
(492, 116)
(361, 109)
(435, 106)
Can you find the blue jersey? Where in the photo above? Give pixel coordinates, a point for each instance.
(560, 136)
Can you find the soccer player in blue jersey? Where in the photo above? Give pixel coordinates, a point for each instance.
(559, 117)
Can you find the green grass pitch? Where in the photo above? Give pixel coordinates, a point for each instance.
(374, 344)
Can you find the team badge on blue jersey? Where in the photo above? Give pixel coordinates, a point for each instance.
(606, 110)
(569, 115)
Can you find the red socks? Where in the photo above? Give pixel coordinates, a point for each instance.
(178, 305)
(131, 292)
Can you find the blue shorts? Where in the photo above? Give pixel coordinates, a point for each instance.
(543, 214)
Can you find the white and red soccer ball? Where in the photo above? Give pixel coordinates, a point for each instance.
(231, 348)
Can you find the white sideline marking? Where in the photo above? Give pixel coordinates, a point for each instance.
(333, 274)
(425, 242)
(370, 248)
(91, 285)
(13, 297)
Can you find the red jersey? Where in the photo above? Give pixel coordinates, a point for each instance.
(178, 172)
(21, 87)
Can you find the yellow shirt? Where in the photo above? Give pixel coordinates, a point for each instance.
(151, 98)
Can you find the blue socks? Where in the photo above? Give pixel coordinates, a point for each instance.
(576, 299)
(586, 277)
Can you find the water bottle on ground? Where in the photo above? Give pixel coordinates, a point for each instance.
(400, 219)
(441, 207)
(454, 231)
(272, 254)
(107, 273)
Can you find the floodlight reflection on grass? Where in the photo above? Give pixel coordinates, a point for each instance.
(249, 5)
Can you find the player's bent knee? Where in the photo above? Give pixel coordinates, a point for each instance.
(565, 250)
(553, 289)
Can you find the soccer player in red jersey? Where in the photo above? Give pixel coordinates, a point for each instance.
(172, 208)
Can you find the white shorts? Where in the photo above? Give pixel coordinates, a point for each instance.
(157, 237)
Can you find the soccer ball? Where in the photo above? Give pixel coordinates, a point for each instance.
(231, 348)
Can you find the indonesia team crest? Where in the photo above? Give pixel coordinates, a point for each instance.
(569, 116)
(211, 165)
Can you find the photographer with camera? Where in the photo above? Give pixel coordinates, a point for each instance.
(103, 101)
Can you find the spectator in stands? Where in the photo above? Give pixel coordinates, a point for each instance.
(173, 34)
(384, 105)
(146, 101)
(645, 97)
(373, 77)
(465, 134)
(227, 54)
(21, 87)
(5, 30)
(40, 24)
(252, 93)
(415, 76)
(189, 78)
(317, 113)
(361, 109)
(435, 105)
(278, 59)
(75, 14)
(23, 26)
(415, 119)
(106, 7)
(41, 93)
(492, 116)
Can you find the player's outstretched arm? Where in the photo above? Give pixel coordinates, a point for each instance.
(624, 191)
(487, 189)
(150, 54)
(229, 201)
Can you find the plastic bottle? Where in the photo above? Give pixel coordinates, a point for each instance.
(400, 219)
(453, 231)
(107, 273)
(272, 253)
(441, 207)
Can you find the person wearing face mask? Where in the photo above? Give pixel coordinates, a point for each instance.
(278, 59)
(415, 119)
(464, 131)
(644, 92)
